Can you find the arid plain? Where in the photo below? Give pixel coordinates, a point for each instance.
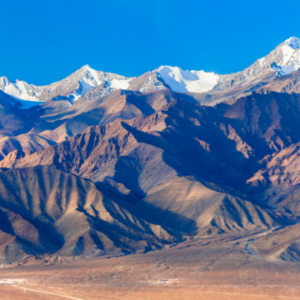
(202, 268)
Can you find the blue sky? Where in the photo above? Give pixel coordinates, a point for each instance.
(45, 40)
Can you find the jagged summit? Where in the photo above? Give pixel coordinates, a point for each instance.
(287, 57)
(85, 66)
(292, 42)
(70, 88)
(283, 60)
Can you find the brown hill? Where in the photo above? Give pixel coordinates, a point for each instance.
(45, 211)
(285, 84)
(210, 151)
(281, 245)
(56, 121)
(187, 205)
(278, 180)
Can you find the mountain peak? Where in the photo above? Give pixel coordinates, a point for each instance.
(289, 46)
(293, 42)
(183, 81)
(288, 59)
(85, 67)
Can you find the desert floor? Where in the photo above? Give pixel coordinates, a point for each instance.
(202, 268)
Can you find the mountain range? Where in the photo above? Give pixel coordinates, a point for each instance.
(102, 164)
(283, 60)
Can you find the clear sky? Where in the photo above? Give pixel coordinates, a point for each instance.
(46, 40)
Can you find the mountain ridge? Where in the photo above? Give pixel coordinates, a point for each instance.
(283, 60)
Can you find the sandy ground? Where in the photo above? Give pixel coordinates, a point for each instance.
(188, 292)
(216, 268)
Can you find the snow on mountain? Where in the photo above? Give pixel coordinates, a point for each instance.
(187, 81)
(70, 88)
(283, 60)
(290, 60)
(119, 84)
(89, 81)
(93, 78)
(18, 89)
(10, 102)
(87, 78)
(23, 95)
(289, 47)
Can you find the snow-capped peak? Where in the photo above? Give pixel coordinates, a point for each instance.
(18, 89)
(90, 74)
(289, 59)
(187, 81)
(284, 59)
(90, 78)
(94, 75)
(293, 42)
(70, 88)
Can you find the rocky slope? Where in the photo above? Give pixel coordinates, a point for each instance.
(189, 166)
(179, 168)
(284, 84)
(56, 121)
(282, 245)
(46, 211)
